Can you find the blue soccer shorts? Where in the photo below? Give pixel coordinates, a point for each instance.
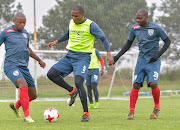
(14, 72)
(149, 70)
(92, 76)
(66, 65)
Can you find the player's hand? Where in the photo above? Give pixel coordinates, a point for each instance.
(154, 58)
(42, 64)
(52, 44)
(102, 72)
(109, 59)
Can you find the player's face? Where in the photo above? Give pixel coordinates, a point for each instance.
(141, 19)
(77, 17)
(19, 23)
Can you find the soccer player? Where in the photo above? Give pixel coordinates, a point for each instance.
(16, 40)
(92, 77)
(148, 63)
(80, 36)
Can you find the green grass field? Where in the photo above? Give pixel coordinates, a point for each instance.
(110, 116)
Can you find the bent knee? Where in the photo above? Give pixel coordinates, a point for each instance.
(152, 85)
(137, 86)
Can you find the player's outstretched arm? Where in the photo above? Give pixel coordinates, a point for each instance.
(123, 50)
(52, 44)
(167, 43)
(34, 56)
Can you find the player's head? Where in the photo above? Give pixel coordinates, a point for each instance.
(142, 17)
(19, 21)
(77, 14)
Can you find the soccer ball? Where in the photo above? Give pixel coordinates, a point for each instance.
(68, 100)
(51, 115)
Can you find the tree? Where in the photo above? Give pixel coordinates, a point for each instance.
(7, 12)
(170, 22)
(115, 17)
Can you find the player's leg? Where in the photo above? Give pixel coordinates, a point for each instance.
(83, 97)
(15, 75)
(133, 99)
(94, 83)
(89, 89)
(80, 68)
(58, 71)
(31, 86)
(96, 94)
(152, 80)
(24, 98)
(139, 76)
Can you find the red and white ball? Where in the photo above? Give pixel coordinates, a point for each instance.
(51, 115)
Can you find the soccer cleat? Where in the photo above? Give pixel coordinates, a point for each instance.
(96, 105)
(28, 119)
(130, 116)
(16, 111)
(91, 106)
(85, 117)
(73, 96)
(155, 113)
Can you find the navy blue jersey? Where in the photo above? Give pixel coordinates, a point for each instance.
(16, 43)
(148, 38)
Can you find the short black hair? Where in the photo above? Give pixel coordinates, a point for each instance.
(19, 15)
(78, 8)
(143, 11)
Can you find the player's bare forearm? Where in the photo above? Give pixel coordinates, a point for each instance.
(34, 56)
(109, 59)
(52, 44)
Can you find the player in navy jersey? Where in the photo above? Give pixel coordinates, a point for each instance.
(80, 36)
(92, 78)
(148, 63)
(16, 40)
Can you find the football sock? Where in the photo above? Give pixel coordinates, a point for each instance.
(95, 90)
(56, 76)
(156, 97)
(89, 88)
(72, 91)
(18, 103)
(133, 99)
(79, 80)
(24, 99)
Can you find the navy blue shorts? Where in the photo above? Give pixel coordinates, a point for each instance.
(14, 72)
(67, 64)
(92, 76)
(143, 69)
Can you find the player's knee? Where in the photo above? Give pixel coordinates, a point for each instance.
(152, 85)
(79, 81)
(34, 96)
(52, 74)
(21, 82)
(136, 86)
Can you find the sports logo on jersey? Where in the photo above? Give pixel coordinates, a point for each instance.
(25, 35)
(150, 32)
(16, 73)
(136, 27)
(10, 30)
(95, 77)
(84, 69)
(156, 75)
